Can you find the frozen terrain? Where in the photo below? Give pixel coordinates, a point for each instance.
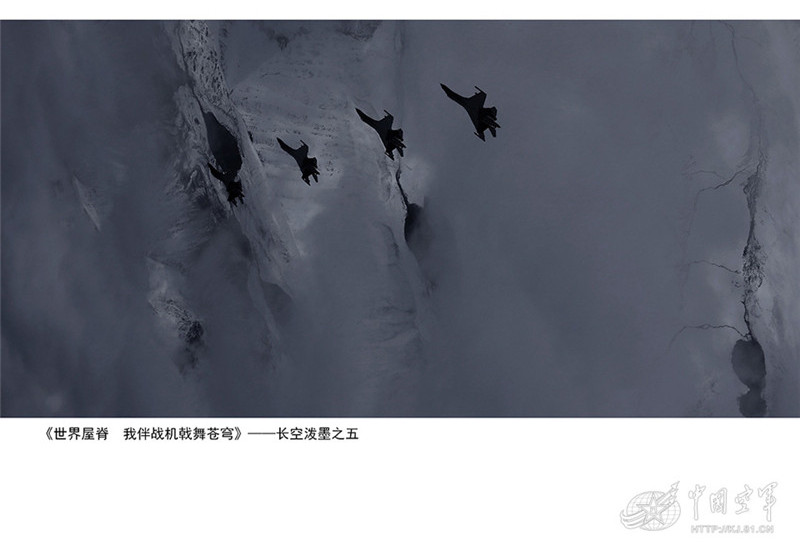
(626, 246)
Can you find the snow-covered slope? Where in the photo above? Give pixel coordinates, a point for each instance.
(355, 342)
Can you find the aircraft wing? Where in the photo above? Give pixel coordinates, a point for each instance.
(453, 95)
(299, 154)
(285, 147)
(472, 104)
(367, 119)
(382, 127)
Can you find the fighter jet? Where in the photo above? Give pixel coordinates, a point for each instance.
(392, 138)
(233, 186)
(482, 118)
(308, 165)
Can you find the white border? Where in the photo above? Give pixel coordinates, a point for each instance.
(400, 9)
(403, 481)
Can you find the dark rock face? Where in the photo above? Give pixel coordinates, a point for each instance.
(749, 365)
(194, 333)
(223, 144)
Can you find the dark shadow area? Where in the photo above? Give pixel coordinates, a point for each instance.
(223, 144)
(225, 149)
(749, 365)
(417, 231)
(419, 235)
(429, 240)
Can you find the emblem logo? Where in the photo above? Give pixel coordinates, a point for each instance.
(652, 510)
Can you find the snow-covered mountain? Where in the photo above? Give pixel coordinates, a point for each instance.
(634, 218)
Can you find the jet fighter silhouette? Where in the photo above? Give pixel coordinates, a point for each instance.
(233, 186)
(482, 118)
(308, 165)
(392, 138)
